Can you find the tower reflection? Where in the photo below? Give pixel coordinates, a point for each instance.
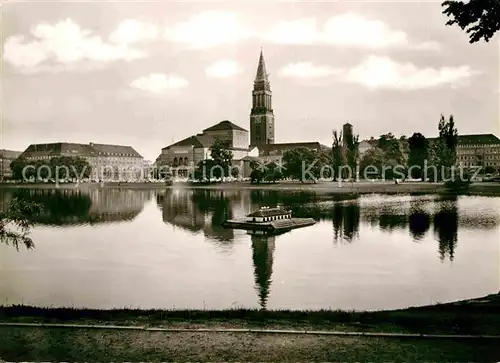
(262, 255)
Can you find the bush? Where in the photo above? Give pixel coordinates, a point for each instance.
(458, 184)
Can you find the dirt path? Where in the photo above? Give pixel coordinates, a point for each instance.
(59, 344)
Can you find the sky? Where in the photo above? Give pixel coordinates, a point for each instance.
(147, 74)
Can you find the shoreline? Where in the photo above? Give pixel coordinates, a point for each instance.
(479, 188)
(479, 316)
(460, 331)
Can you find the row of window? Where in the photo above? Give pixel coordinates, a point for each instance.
(477, 145)
(478, 164)
(274, 218)
(180, 161)
(472, 152)
(91, 158)
(478, 157)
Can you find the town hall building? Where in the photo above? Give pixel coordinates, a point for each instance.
(256, 145)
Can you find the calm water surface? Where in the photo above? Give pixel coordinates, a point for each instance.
(166, 249)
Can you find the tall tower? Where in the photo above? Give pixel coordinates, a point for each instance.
(347, 134)
(261, 116)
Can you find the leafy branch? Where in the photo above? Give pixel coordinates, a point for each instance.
(16, 223)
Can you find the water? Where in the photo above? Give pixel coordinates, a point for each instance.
(166, 249)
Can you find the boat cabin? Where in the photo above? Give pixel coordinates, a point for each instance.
(266, 214)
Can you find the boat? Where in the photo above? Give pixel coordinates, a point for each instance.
(269, 220)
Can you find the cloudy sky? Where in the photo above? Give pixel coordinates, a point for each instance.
(148, 73)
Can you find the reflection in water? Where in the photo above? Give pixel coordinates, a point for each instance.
(218, 206)
(379, 267)
(419, 220)
(62, 207)
(204, 210)
(198, 210)
(346, 218)
(291, 199)
(262, 255)
(446, 228)
(179, 210)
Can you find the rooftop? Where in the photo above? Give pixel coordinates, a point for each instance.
(261, 75)
(269, 212)
(225, 125)
(120, 150)
(9, 154)
(474, 139)
(189, 141)
(288, 145)
(91, 149)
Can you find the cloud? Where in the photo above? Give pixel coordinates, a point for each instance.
(133, 31)
(157, 82)
(65, 42)
(306, 70)
(382, 72)
(208, 29)
(343, 30)
(302, 31)
(223, 69)
(431, 45)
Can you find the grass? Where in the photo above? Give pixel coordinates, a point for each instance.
(477, 316)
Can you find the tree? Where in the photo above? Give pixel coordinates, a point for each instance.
(391, 147)
(489, 169)
(15, 223)
(273, 172)
(338, 156)
(298, 162)
(76, 166)
(82, 167)
(17, 165)
(257, 174)
(222, 155)
(418, 153)
(405, 149)
(207, 169)
(448, 140)
(352, 151)
(445, 148)
(371, 163)
(479, 18)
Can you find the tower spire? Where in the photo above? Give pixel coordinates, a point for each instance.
(261, 115)
(261, 69)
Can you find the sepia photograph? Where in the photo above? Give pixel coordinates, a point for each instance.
(238, 180)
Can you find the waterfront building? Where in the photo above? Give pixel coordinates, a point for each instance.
(261, 114)
(6, 157)
(347, 134)
(475, 150)
(106, 160)
(262, 121)
(184, 155)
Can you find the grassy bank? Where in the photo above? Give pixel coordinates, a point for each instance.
(479, 316)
